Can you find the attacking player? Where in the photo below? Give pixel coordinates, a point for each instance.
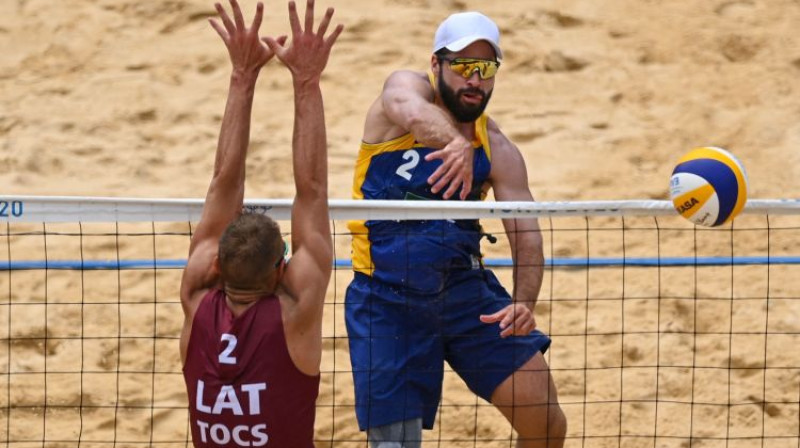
(420, 294)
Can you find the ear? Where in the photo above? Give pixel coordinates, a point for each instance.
(215, 269)
(434, 65)
(280, 270)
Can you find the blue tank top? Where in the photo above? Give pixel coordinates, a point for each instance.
(418, 254)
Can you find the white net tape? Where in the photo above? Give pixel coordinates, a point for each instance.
(105, 209)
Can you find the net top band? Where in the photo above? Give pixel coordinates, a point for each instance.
(107, 209)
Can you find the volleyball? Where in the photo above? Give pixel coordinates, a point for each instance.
(708, 186)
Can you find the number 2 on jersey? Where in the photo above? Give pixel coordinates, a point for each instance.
(225, 357)
(413, 160)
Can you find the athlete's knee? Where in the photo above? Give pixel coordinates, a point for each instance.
(545, 426)
(404, 434)
(556, 422)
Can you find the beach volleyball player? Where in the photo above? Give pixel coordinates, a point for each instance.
(420, 294)
(251, 338)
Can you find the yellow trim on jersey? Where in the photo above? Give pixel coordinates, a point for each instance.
(482, 135)
(362, 261)
(370, 149)
(358, 229)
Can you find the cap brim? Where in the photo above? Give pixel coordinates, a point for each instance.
(464, 42)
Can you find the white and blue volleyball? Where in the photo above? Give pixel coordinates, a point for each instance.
(708, 186)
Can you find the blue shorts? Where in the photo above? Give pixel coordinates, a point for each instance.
(399, 341)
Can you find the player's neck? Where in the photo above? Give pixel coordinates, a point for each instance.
(238, 307)
(467, 130)
(239, 301)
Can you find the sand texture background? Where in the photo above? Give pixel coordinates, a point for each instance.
(124, 98)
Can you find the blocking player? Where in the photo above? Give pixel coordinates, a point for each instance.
(251, 338)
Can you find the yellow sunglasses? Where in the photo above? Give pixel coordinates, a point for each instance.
(467, 66)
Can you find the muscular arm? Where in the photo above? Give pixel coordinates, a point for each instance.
(309, 271)
(509, 180)
(226, 190)
(407, 105)
(526, 252)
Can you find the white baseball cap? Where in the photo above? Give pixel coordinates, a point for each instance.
(461, 29)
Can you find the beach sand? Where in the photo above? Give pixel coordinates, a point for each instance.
(124, 98)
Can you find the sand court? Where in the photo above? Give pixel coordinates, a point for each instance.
(124, 98)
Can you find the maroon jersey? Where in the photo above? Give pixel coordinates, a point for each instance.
(244, 389)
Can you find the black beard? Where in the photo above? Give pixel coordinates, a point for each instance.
(462, 113)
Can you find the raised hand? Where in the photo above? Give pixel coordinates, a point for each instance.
(515, 319)
(308, 52)
(455, 170)
(247, 52)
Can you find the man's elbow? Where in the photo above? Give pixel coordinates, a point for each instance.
(404, 111)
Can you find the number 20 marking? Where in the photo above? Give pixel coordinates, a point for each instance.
(413, 160)
(225, 357)
(15, 207)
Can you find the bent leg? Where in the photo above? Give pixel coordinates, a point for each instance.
(528, 399)
(405, 434)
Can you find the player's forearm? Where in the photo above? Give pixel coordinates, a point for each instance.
(528, 257)
(309, 154)
(429, 124)
(234, 137)
(433, 128)
(310, 217)
(528, 274)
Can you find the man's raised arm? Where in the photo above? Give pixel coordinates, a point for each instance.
(226, 190)
(310, 268)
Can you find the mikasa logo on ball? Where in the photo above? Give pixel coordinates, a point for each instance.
(686, 206)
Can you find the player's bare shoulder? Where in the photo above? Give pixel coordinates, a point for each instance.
(506, 156)
(415, 80)
(400, 89)
(501, 145)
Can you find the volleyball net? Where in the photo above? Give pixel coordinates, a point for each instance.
(664, 334)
